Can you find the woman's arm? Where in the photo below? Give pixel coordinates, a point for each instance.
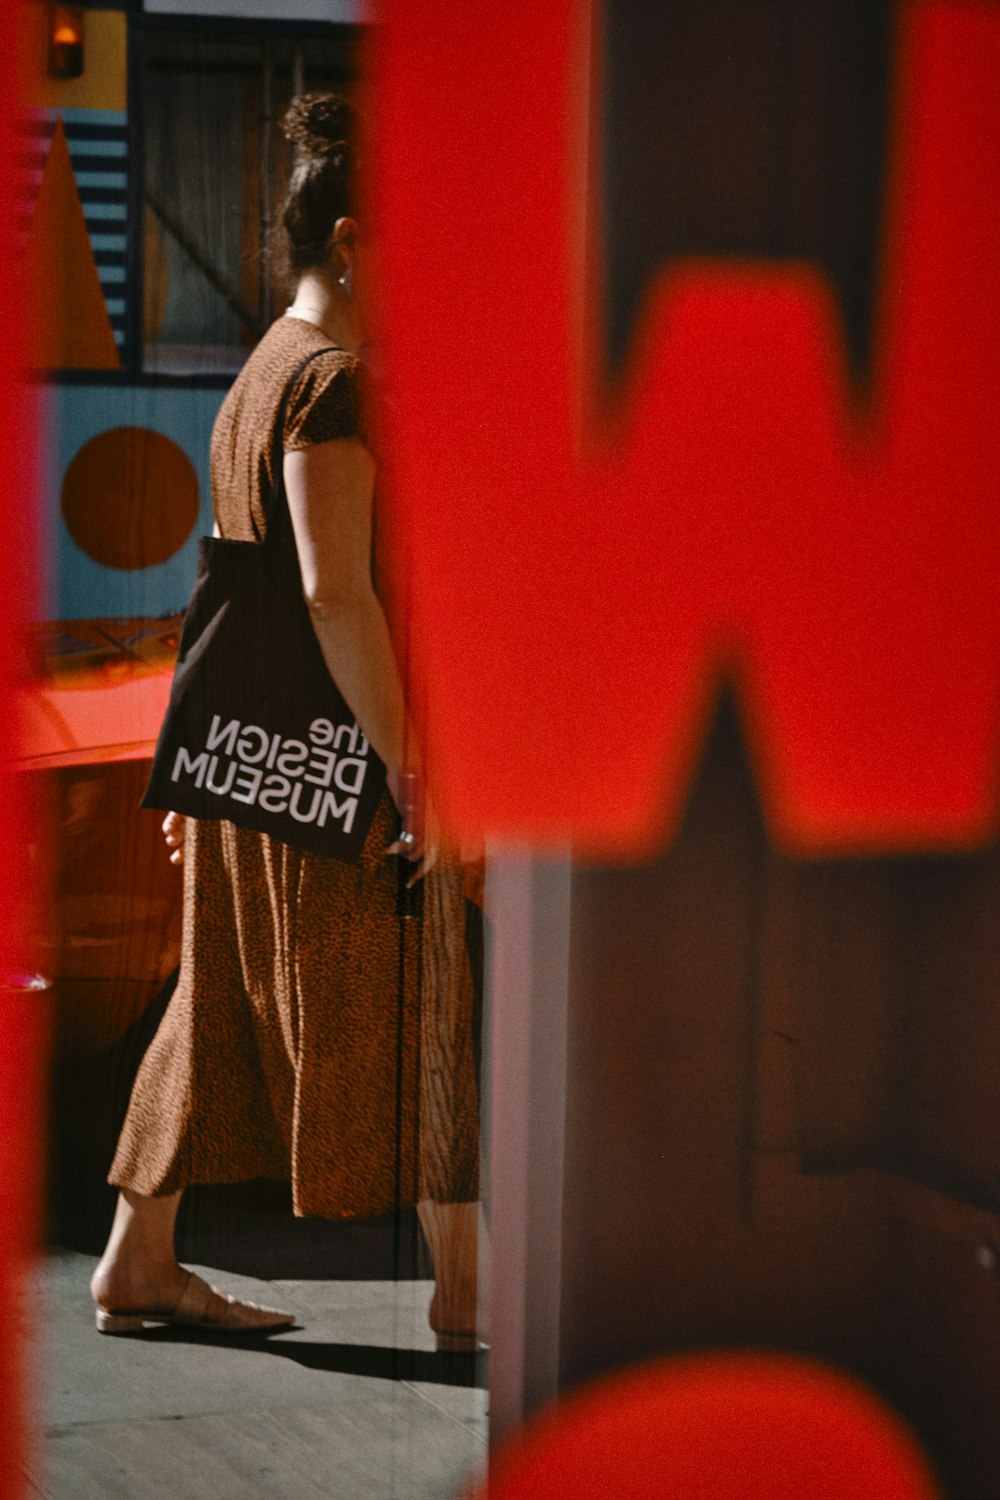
(330, 488)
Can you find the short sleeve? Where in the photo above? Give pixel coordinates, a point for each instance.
(326, 403)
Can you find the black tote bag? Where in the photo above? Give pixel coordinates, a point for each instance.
(256, 730)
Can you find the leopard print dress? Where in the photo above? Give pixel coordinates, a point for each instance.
(315, 1034)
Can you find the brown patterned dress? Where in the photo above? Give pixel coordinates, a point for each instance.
(314, 1035)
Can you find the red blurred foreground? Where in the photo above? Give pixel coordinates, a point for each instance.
(580, 583)
(719, 1427)
(22, 1018)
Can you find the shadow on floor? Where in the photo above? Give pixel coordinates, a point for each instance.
(373, 1360)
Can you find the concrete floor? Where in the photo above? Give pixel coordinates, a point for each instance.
(354, 1405)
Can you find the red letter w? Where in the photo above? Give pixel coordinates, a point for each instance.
(578, 584)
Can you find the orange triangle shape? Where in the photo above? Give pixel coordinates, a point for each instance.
(72, 330)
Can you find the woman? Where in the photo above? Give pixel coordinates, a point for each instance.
(312, 1027)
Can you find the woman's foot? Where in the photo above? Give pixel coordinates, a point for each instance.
(463, 1339)
(118, 1286)
(456, 1239)
(139, 1269)
(198, 1306)
(138, 1280)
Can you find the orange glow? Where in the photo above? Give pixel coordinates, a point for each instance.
(66, 42)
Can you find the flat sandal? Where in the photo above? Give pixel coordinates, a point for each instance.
(199, 1306)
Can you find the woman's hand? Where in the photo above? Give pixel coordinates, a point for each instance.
(174, 825)
(419, 840)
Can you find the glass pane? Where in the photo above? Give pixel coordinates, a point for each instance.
(195, 208)
(349, 1218)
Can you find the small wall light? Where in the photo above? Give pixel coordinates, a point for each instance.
(65, 41)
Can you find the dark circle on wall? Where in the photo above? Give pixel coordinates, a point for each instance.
(130, 498)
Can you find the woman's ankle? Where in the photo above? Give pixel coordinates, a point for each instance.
(121, 1282)
(139, 1258)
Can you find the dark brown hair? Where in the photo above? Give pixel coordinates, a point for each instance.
(322, 128)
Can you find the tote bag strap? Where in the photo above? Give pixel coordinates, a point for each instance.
(277, 496)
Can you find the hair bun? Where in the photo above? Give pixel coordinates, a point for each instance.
(319, 125)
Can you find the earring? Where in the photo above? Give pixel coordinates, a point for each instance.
(347, 281)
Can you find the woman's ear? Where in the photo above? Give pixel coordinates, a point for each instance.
(342, 242)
